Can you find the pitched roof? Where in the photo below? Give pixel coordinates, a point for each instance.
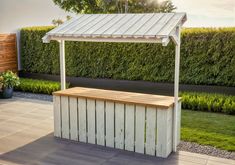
(151, 27)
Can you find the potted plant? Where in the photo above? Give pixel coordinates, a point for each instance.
(8, 80)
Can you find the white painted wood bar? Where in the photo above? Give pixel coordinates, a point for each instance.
(123, 120)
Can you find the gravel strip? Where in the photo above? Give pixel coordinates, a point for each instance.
(183, 146)
(28, 95)
(203, 149)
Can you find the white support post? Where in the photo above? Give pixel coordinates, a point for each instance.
(176, 88)
(62, 65)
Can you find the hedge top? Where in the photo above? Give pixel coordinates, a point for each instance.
(145, 27)
(207, 57)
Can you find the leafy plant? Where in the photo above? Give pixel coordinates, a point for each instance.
(9, 79)
(38, 86)
(208, 102)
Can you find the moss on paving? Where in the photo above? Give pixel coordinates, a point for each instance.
(209, 129)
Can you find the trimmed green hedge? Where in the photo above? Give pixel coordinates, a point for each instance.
(207, 57)
(38, 86)
(190, 100)
(208, 102)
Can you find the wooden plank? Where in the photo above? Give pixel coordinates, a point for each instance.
(139, 129)
(109, 111)
(151, 130)
(100, 122)
(57, 116)
(117, 96)
(130, 127)
(169, 130)
(73, 103)
(65, 116)
(119, 125)
(82, 119)
(91, 121)
(162, 133)
(8, 52)
(179, 123)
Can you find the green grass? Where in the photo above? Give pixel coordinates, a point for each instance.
(209, 129)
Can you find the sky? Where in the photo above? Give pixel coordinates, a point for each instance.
(207, 13)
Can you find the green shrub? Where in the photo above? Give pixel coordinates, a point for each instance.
(207, 57)
(38, 86)
(208, 102)
(190, 100)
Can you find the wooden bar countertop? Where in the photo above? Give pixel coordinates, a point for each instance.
(119, 96)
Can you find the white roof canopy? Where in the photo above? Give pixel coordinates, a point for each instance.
(149, 28)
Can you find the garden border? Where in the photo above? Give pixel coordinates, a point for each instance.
(132, 86)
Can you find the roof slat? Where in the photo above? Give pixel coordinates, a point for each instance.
(142, 27)
(81, 24)
(90, 25)
(67, 28)
(148, 25)
(138, 25)
(159, 24)
(128, 25)
(100, 24)
(58, 28)
(109, 24)
(74, 27)
(171, 24)
(118, 25)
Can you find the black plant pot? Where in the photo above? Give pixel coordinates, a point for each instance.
(7, 93)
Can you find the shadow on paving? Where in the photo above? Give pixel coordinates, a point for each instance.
(50, 150)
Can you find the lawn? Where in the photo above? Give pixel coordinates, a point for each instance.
(209, 129)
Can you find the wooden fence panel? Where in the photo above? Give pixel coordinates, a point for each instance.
(8, 52)
(133, 127)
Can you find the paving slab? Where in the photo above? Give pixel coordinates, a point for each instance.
(26, 137)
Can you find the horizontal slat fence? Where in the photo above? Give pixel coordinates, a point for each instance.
(131, 127)
(8, 52)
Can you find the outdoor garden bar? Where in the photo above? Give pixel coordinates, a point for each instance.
(143, 123)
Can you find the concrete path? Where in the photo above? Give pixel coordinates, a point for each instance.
(26, 137)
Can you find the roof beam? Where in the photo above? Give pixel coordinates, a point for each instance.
(102, 39)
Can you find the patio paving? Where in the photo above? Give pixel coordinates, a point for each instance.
(26, 137)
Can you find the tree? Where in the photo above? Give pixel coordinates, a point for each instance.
(115, 6)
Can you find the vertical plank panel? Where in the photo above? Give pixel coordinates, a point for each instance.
(100, 122)
(169, 130)
(179, 123)
(82, 119)
(65, 116)
(91, 120)
(57, 116)
(8, 53)
(109, 123)
(130, 127)
(161, 132)
(139, 129)
(151, 130)
(119, 125)
(73, 118)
